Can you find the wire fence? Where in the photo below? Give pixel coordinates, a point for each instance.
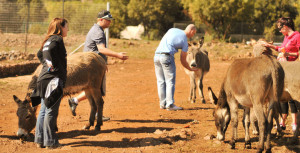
(35, 17)
(241, 32)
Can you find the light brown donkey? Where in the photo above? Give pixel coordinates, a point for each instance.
(249, 82)
(85, 72)
(291, 90)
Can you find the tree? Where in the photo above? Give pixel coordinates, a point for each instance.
(37, 9)
(119, 13)
(8, 16)
(219, 15)
(266, 14)
(155, 15)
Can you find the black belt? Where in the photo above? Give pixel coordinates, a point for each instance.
(164, 53)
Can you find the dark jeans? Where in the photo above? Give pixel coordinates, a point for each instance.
(45, 133)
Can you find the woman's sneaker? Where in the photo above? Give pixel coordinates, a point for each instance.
(174, 108)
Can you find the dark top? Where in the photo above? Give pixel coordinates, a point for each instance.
(95, 37)
(54, 51)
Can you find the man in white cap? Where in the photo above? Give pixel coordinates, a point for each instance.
(96, 42)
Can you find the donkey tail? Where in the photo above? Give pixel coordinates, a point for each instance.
(278, 83)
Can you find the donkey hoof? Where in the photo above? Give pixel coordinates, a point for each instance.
(232, 144)
(268, 150)
(86, 127)
(260, 150)
(248, 145)
(97, 128)
(279, 134)
(203, 101)
(293, 141)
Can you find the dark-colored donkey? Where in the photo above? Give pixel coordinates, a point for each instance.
(85, 72)
(251, 83)
(197, 57)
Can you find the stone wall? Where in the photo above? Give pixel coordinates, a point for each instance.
(23, 68)
(27, 63)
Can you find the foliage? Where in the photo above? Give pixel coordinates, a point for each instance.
(218, 18)
(154, 14)
(119, 13)
(35, 7)
(81, 16)
(268, 12)
(219, 15)
(8, 13)
(297, 20)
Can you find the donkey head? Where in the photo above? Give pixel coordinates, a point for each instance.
(221, 113)
(195, 54)
(259, 48)
(27, 117)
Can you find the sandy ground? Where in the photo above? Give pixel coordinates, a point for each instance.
(137, 123)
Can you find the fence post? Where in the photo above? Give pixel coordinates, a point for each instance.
(27, 24)
(63, 7)
(107, 29)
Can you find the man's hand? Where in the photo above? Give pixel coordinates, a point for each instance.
(122, 56)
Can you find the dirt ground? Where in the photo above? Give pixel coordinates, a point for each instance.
(137, 123)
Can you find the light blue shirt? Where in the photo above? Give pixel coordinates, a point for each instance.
(173, 40)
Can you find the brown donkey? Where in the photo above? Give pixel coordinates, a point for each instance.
(85, 72)
(198, 58)
(291, 81)
(249, 82)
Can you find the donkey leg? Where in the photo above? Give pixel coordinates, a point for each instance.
(276, 117)
(234, 122)
(99, 104)
(269, 128)
(192, 97)
(200, 87)
(253, 121)
(92, 112)
(259, 112)
(246, 126)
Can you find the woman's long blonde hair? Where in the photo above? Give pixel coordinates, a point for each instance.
(55, 28)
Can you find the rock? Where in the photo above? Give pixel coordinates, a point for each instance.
(158, 131)
(217, 142)
(207, 137)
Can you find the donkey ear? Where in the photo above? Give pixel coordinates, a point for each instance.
(212, 97)
(201, 42)
(17, 100)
